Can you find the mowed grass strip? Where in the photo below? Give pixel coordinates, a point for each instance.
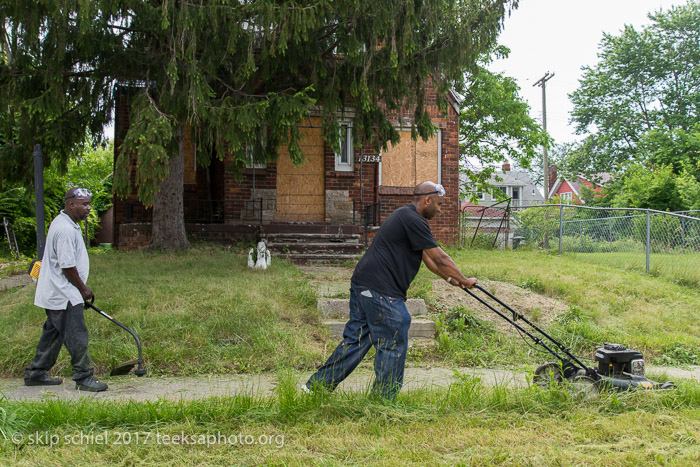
(468, 423)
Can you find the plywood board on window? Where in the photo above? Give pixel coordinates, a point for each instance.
(427, 160)
(398, 168)
(301, 190)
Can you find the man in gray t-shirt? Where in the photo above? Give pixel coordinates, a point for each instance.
(61, 290)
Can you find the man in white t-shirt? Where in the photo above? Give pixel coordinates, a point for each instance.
(61, 290)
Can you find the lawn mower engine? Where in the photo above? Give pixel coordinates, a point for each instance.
(623, 368)
(615, 359)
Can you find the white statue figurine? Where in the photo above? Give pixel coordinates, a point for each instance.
(262, 261)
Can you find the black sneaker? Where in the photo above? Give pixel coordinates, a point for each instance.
(90, 384)
(43, 380)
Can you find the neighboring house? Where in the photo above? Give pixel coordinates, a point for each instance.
(516, 185)
(330, 192)
(569, 190)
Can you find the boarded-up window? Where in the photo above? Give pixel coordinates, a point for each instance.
(411, 162)
(301, 190)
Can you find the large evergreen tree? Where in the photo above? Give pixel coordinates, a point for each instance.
(233, 70)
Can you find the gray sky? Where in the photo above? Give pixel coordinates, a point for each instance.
(561, 36)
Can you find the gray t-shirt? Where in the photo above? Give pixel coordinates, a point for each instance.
(64, 248)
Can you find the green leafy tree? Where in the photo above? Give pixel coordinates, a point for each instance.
(237, 70)
(639, 104)
(495, 125)
(650, 188)
(92, 169)
(689, 189)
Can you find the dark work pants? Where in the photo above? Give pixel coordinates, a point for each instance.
(375, 320)
(62, 327)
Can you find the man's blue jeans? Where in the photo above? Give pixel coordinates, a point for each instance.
(375, 320)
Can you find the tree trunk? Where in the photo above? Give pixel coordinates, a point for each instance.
(168, 211)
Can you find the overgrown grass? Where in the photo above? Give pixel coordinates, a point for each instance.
(202, 311)
(468, 423)
(679, 267)
(654, 315)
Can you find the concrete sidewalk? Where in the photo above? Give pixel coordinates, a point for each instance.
(200, 387)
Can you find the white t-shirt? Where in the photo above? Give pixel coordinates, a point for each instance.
(64, 249)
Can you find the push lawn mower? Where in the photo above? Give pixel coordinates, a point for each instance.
(124, 368)
(619, 368)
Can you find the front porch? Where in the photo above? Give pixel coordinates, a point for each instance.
(300, 243)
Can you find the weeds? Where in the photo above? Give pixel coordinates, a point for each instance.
(680, 354)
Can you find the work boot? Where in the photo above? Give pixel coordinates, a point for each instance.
(90, 384)
(43, 380)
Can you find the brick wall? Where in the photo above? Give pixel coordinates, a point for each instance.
(238, 191)
(445, 225)
(357, 188)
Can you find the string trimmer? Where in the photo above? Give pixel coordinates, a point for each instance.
(124, 368)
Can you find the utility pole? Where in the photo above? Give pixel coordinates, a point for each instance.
(542, 82)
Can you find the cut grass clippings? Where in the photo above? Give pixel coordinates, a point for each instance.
(468, 423)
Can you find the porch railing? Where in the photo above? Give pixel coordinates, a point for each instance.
(372, 216)
(197, 211)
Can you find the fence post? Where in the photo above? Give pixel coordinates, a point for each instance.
(610, 232)
(561, 226)
(648, 238)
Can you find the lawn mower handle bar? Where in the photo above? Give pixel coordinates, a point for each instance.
(512, 321)
(138, 342)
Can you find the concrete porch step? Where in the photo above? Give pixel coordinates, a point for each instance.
(340, 308)
(318, 258)
(420, 328)
(289, 237)
(315, 248)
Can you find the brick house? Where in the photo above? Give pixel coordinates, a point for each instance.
(329, 193)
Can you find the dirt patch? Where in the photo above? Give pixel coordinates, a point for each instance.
(537, 308)
(327, 273)
(7, 283)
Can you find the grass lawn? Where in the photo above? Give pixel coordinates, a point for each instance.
(654, 315)
(467, 425)
(204, 312)
(680, 267)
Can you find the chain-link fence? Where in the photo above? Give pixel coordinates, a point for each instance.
(485, 226)
(660, 243)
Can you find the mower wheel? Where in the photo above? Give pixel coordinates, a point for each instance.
(548, 374)
(584, 388)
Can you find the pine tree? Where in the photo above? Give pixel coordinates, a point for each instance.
(233, 70)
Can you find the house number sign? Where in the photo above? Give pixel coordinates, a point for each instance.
(371, 158)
